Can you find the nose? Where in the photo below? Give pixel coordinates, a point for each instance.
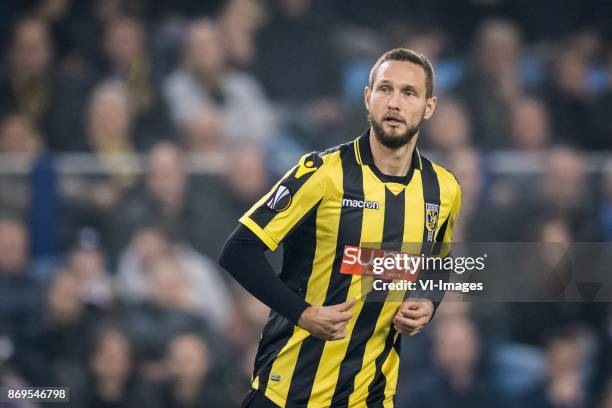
(393, 102)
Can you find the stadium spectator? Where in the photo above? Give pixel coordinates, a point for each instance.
(570, 100)
(204, 79)
(166, 195)
(190, 382)
(32, 85)
(290, 23)
(248, 178)
(450, 129)
(203, 132)
(111, 372)
(87, 261)
(167, 311)
(128, 60)
(459, 379)
(530, 125)
(239, 20)
(223, 198)
(564, 373)
(20, 297)
(66, 323)
(491, 82)
(563, 192)
(307, 97)
(92, 200)
(109, 131)
(207, 291)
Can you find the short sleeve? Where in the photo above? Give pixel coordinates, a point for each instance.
(288, 203)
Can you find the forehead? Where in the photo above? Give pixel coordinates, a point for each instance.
(401, 73)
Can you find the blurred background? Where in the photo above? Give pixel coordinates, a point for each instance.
(134, 133)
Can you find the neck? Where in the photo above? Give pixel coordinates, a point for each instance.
(392, 162)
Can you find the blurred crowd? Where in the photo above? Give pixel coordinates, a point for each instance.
(108, 279)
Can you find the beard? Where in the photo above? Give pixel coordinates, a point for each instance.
(394, 141)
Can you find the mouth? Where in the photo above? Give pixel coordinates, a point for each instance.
(393, 121)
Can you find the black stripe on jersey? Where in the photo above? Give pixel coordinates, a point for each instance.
(393, 232)
(442, 230)
(431, 194)
(376, 389)
(263, 215)
(349, 232)
(298, 255)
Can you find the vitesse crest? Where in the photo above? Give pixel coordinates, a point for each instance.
(431, 219)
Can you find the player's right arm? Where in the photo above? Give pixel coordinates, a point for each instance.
(264, 227)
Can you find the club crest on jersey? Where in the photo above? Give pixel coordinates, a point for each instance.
(431, 219)
(280, 199)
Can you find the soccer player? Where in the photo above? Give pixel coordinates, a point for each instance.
(323, 344)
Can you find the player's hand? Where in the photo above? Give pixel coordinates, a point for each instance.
(412, 316)
(327, 322)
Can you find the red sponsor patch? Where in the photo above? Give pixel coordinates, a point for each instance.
(380, 263)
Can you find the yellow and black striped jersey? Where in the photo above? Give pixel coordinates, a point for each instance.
(329, 201)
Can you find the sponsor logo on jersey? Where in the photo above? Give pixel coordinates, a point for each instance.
(347, 202)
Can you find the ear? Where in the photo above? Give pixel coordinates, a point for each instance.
(367, 93)
(430, 106)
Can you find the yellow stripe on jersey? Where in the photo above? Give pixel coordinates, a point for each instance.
(328, 218)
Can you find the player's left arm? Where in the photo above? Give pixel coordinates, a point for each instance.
(414, 314)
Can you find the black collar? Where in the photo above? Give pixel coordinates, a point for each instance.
(363, 153)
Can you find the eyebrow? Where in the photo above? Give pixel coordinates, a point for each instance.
(404, 88)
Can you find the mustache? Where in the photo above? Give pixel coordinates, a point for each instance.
(394, 117)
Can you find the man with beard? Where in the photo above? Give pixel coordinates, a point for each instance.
(330, 340)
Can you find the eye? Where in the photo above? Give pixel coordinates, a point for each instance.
(384, 88)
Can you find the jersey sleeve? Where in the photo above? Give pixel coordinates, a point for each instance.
(288, 203)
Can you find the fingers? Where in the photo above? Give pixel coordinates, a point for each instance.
(414, 305)
(339, 335)
(346, 306)
(412, 323)
(342, 317)
(341, 312)
(407, 326)
(413, 313)
(417, 331)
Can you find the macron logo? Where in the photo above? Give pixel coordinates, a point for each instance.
(360, 204)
